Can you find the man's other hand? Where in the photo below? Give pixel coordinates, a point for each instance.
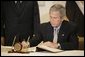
(50, 44)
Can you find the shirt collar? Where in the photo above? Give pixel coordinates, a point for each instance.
(58, 27)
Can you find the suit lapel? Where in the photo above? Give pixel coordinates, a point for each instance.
(61, 32)
(50, 32)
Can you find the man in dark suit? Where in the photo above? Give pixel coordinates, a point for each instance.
(57, 33)
(20, 19)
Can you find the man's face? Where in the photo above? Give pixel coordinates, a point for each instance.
(55, 19)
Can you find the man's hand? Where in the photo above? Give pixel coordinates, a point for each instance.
(2, 41)
(50, 44)
(25, 44)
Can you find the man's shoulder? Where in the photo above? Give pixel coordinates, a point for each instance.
(69, 23)
(45, 24)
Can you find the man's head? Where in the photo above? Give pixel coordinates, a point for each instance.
(57, 12)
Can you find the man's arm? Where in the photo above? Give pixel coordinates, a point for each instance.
(2, 24)
(2, 19)
(36, 38)
(36, 17)
(72, 42)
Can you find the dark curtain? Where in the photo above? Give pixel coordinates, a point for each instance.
(74, 14)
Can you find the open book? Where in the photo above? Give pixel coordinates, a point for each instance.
(43, 47)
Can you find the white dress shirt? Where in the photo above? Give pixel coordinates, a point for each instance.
(56, 31)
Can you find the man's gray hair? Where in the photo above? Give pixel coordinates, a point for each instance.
(60, 8)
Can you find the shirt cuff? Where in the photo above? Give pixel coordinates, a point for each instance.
(59, 46)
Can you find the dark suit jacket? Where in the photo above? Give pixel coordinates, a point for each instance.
(74, 14)
(67, 35)
(21, 22)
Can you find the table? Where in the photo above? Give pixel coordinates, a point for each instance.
(5, 49)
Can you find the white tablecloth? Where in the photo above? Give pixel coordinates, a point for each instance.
(5, 49)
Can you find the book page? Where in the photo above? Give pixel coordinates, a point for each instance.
(48, 48)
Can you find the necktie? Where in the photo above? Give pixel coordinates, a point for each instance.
(55, 35)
